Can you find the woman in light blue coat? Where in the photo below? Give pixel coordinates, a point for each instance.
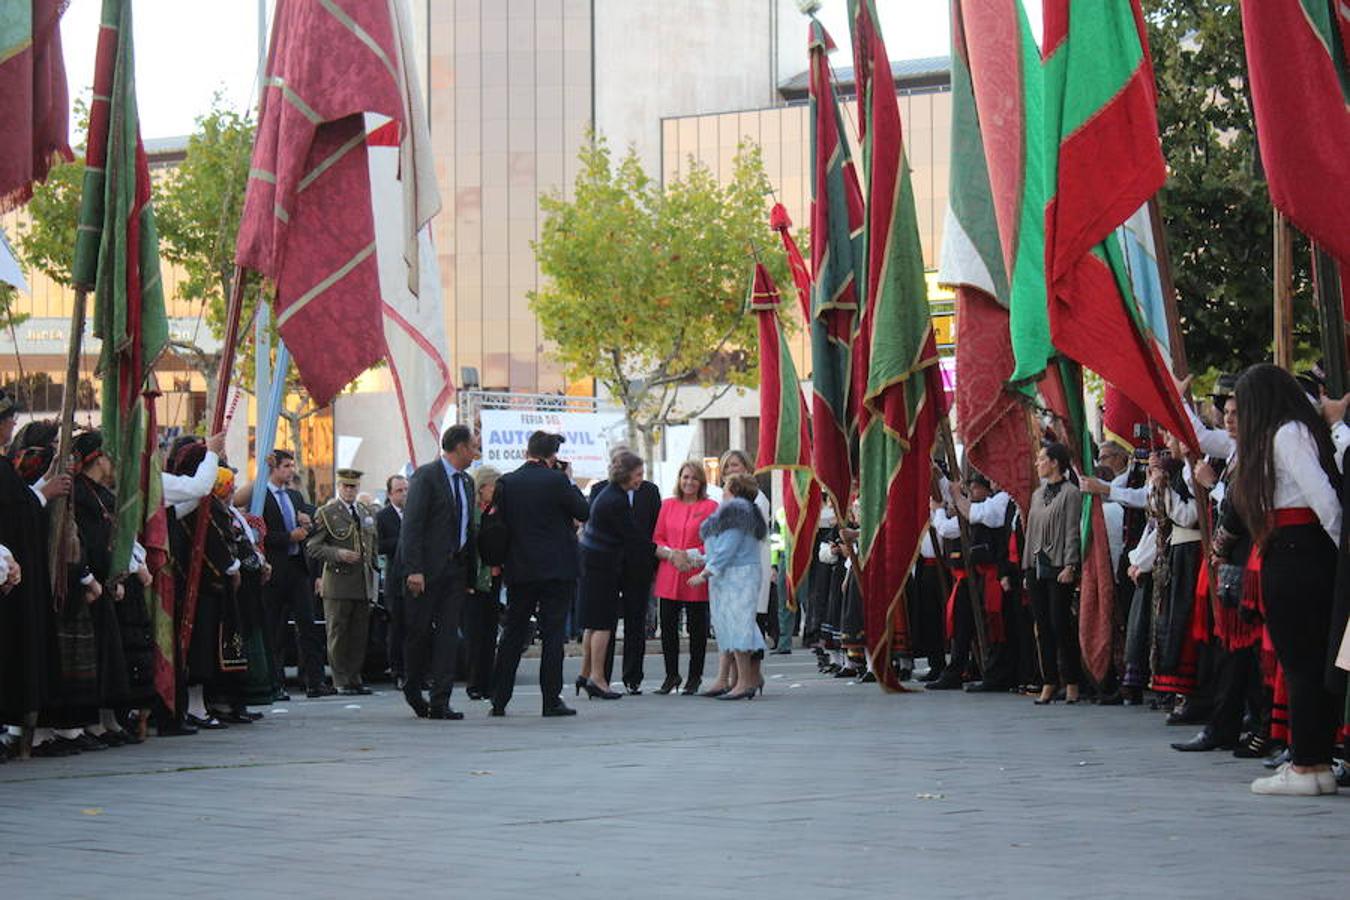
(731, 539)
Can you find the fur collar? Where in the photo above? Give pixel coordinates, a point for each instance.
(735, 514)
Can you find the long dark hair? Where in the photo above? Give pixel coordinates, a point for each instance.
(1268, 397)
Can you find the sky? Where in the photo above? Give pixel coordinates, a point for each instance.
(187, 50)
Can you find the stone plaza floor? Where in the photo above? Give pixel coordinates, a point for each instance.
(819, 789)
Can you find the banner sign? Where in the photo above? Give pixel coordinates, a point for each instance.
(506, 432)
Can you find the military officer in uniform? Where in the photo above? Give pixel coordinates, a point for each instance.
(345, 541)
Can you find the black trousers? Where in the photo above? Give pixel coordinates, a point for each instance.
(1238, 688)
(635, 592)
(481, 617)
(291, 588)
(432, 637)
(696, 623)
(1056, 631)
(548, 601)
(1298, 573)
(396, 632)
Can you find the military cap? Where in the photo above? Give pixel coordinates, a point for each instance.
(349, 476)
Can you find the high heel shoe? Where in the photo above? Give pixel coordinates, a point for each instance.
(744, 695)
(581, 683)
(593, 690)
(716, 692)
(691, 688)
(670, 684)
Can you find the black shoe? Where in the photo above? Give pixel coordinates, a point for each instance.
(558, 708)
(1132, 696)
(635, 688)
(986, 687)
(847, 672)
(474, 694)
(235, 717)
(1256, 746)
(175, 729)
(1115, 698)
(321, 690)
(359, 690)
(580, 684)
(670, 684)
(781, 651)
(593, 690)
(210, 723)
(1183, 715)
(255, 716)
(88, 742)
(691, 688)
(419, 706)
(870, 678)
(446, 713)
(497, 712)
(950, 681)
(281, 697)
(111, 738)
(55, 748)
(930, 676)
(1202, 742)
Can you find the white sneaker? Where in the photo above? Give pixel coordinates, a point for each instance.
(1326, 781)
(1288, 783)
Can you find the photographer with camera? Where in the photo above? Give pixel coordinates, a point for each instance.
(540, 506)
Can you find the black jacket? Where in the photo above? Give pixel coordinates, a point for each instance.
(540, 506)
(429, 538)
(277, 543)
(639, 563)
(389, 524)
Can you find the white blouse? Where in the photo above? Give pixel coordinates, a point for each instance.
(1300, 481)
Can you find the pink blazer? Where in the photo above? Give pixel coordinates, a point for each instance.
(677, 528)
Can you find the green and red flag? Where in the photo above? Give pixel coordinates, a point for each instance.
(1104, 161)
(117, 255)
(785, 434)
(993, 241)
(1298, 63)
(896, 381)
(34, 103)
(836, 271)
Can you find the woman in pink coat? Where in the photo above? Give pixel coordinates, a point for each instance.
(679, 550)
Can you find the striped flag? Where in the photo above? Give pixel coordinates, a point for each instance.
(117, 254)
(1104, 162)
(836, 266)
(897, 385)
(307, 222)
(34, 103)
(993, 242)
(785, 434)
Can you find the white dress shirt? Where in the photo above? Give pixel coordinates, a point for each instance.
(1300, 481)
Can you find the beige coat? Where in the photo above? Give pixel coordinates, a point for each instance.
(334, 530)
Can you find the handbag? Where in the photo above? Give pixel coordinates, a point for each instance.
(1231, 580)
(494, 537)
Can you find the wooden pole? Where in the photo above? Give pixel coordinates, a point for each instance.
(1327, 286)
(1284, 280)
(61, 552)
(227, 353)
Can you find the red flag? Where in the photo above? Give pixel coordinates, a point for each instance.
(780, 222)
(307, 221)
(1296, 61)
(1097, 598)
(34, 104)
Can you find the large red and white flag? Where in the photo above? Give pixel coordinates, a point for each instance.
(308, 223)
(414, 324)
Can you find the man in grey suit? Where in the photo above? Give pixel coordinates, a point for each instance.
(436, 555)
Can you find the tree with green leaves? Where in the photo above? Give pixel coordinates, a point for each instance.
(647, 285)
(1215, 206)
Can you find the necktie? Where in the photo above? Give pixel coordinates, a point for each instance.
(356, 525)
(461, 506)
(287, 516)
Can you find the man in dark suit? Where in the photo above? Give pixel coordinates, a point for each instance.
(436, 554)
(541, 507)
(288, 519)
(389, 522)
(635, 586)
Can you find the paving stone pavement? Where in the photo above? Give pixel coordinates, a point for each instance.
(819, 788)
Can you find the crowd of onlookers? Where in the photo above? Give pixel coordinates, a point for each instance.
(1226, 611)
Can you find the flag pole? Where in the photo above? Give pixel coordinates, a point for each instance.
(1284, 277)
(1327, 288)
(233, 312)
(62, 521)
